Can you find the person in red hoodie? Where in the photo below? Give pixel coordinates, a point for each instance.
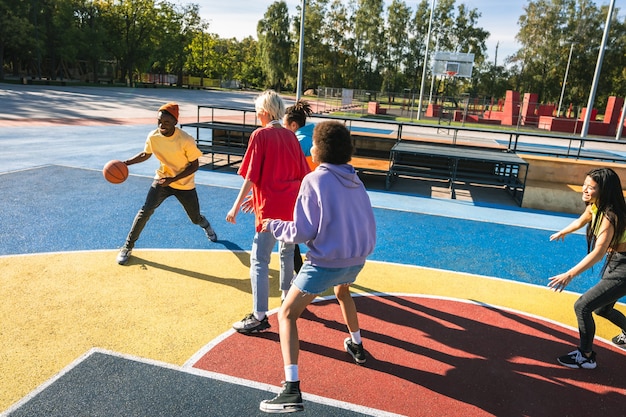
(273, 168)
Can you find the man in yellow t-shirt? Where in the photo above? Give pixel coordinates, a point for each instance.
(178, 155)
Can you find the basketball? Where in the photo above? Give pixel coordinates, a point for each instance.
(115, 171)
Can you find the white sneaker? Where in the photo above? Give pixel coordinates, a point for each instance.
(123, 256)
(250, 324)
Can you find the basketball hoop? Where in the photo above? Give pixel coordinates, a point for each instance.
(451, 74)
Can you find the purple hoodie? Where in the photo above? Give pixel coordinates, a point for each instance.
(333, 216)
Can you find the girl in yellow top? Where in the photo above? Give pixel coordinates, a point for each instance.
(605, 217)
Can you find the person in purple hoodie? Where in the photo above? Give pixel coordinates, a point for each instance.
(333, 216)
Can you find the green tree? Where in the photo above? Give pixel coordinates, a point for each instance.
(317, 61)
(417, 37)
(246, 63)
(398, 27)
(91, 38)
(548, 29)
(275, 44)
(369, 31)
(341, 62)
(178, 26)
(16, 34)
(132, 33)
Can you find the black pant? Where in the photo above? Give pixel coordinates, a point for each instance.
(601, 299)
(297, 259)
(156, 195)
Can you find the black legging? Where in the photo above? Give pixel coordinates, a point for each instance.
(601, 299)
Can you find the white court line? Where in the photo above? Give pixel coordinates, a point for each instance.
(197, 372)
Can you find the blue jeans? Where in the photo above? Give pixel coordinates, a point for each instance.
(601, 299)
(156, 196)
(260, 257)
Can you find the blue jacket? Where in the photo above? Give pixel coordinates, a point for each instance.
(333, 216)
(305, 137)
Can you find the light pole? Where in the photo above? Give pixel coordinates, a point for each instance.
(569, 60)
(430, 24)
(301, 52)
(596, 75)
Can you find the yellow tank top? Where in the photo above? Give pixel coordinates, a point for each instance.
(594, 214)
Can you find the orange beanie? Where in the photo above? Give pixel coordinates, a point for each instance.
(171, 108)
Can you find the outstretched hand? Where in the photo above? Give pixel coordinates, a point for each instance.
(559, 282)
(557, 236)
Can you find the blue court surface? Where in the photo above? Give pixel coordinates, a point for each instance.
(56, 202)
(58, 185)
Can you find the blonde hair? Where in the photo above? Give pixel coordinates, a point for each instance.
(271, 103)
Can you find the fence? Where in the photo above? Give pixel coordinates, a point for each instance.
(513, 110)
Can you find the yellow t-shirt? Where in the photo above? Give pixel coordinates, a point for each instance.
(174, 153)
(594, 214)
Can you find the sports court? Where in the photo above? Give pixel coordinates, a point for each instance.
(454, 309)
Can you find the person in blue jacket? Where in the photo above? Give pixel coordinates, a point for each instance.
(295, 120)
(333, 215)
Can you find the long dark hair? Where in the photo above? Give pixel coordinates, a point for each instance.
(298, 112)
(610, 203)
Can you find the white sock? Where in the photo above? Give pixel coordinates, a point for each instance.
(356, 337)
(259, 315)
(291, 373)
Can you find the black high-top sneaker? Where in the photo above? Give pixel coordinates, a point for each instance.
(289, 400)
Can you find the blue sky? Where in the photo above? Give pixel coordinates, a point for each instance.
(238, 19)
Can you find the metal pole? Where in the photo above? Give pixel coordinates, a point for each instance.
(620, 126)
(569, 60)
(430, 24)
(301, 53)
(596, 75)
(432, 79)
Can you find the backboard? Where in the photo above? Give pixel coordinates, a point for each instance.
(453, 64)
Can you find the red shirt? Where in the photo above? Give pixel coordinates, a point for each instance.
(275, 164)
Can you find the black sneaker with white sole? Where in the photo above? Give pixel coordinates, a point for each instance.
(355, 350)
(620, 339)
(289, 400)
(210, 233)
(576, 359)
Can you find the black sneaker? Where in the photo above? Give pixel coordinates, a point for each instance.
(289, 400)
(210, 233)
(576, 359)
(250, 324)
(620, 339)
(355, 350)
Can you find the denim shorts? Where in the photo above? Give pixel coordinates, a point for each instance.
(315, 279)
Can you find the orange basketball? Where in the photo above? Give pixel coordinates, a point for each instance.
(115, 171)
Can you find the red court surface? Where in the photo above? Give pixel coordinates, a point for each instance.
(434, 357)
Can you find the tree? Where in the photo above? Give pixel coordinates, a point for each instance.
(398, 24)
(16, 33)
(548, 29)
(177, 28)
(248, 69)
(369, 31)
(341, 44)
(91, 37)
(275, 44)
(316, 61)
(133, 32)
